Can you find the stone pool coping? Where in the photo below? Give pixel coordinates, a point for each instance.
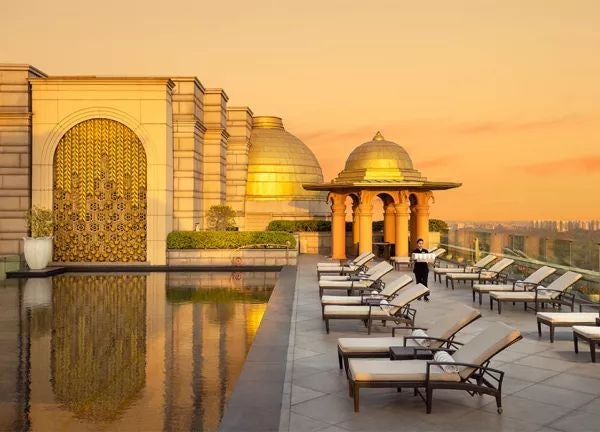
(255, 405)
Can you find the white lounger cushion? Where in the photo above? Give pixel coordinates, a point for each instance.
(341, 300)
(405, 370)
(485, 345)
(374, 344)
(592, 332)
(523, 296)
(334, 277)
(361, 312)
(345, 284)
(451, 322)
(490, 273)
(569, 317)
(465, 276)
(565, 281)
(390, 289)
(534, 278)
(475, 267)
(492, 287)
(445, 270)
(443, 328)
(383, 265)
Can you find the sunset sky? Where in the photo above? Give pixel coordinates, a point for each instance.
(503, 96)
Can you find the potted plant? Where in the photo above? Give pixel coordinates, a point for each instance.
(38, 247)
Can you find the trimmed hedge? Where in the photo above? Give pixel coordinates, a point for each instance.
(230, 240)
(312, 225)
(292, 226)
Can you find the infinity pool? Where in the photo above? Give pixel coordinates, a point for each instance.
(125, 352)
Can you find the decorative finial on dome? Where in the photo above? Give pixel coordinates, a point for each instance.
(378, 137)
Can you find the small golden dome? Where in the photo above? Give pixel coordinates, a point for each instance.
(279, 163)
(379, 160)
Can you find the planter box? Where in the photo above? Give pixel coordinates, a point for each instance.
(232, 257)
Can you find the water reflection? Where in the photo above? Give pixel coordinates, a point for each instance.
(125, 352)
(98, 343)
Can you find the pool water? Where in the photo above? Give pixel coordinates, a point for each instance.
(125, 352)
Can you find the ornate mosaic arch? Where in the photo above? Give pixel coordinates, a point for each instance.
(100, 194)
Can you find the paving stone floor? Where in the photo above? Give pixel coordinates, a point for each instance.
(547, 386)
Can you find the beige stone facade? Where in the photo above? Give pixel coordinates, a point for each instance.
(15, 156)
(198, 152)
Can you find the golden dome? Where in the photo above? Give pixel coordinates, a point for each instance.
(278, 163)
(378, 160)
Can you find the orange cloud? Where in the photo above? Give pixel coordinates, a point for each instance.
(437, 162)
(577, 165)
(509, 127)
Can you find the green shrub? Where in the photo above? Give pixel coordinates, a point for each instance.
(312, 225)
(292, 226)
(40, 221)
(221, 218)
(229, 240)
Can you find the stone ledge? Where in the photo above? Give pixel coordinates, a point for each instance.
(236, 257)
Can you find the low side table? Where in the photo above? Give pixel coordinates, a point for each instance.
(408, 353)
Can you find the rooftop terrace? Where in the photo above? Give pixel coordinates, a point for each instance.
(547, 386)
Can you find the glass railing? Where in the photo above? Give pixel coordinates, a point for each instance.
(580, 257)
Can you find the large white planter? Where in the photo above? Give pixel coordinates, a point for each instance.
(38, 252)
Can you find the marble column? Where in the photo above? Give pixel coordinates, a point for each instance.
(402, 214)
(366, 228)
(338, 227)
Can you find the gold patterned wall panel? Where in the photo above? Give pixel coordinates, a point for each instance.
(100, 194)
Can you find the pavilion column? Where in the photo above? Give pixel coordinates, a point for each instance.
(421, 224)
(389, 227)
(402, 213)
(366, 228)
(338, 227)
(355, 224)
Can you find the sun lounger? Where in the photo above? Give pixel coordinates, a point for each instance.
(352, 266)
(467, 369)
(354, 261)
(567, 319)
(533, 280)
(555, 294)
(362, 284)
(364, 274)
(481, 264)
(490, 275)
(440, 333)
(389, 290)
(398, 310)
(590, 334)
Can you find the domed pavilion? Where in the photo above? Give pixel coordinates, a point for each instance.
(380, 168)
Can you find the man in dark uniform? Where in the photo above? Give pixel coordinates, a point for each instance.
(421, 269)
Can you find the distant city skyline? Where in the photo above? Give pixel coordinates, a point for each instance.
(501, 96)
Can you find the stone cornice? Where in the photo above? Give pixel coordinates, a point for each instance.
(93, 79)
(218, 91)
(195, 80)
(22, 67)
